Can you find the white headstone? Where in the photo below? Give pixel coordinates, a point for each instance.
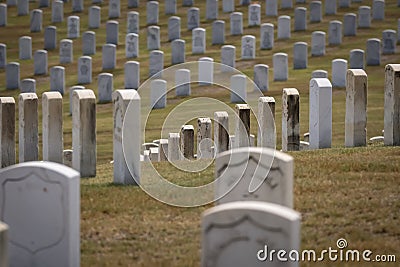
(267, 36)
(198, 41)
(132, 75)
(204, 139)
(193, 18)
(22, 7)
(57, 11)
(66, 51)
(248, 47)
(40, 62)
(364, 17)
(28, 86)
(156, 63)
(152, 11)
(261, 78)
(236, 21)
(388, 42)
(211, 9)
(319, 74)
(330, 7)
(280, 66)
(178, 51)
(153, 38)
(300, 55)
(170, 7)
(218, 32)
(88, 43)
(378, 9)
(94, 17)
(84, 70)
(339, 69)
(318, 43)
(112, 32)
(349, 24)
(316, 11)
(174, 28)
(228, 6)
(335, 32)
(356, 59)
(238, 88)
(132, 25)
(114, 9)
(228, 57)
(25, 47)
(57, 79)
(105, 87)
(182, 82)
(283, 27)
(266, 122)
(206, 71)
(300, 19)
(271, 8)
(73, 28)
(3, 15)
(158, 94)
(373, 52)
(254, 16)
(109, 56)
(12, 75)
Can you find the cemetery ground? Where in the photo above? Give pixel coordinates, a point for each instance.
(350, 193)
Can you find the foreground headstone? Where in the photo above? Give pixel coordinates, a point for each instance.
(153, 38)
(218, 32)
(236, 21)
(28, 127)
(221, 131)
(248, 47)
(57, 79)
(316, 11)
(206, 71)
(174, 152)
(133, 22)
(73, 28)
(109, 56)
(290, 119)
(204, 139)
(7, 132)
(50, 38)
(339, 69)
(193, 18)
(178, 51)
(320, 122)
(388, 42)
(261, 78)
(121, 100)
(152, 12)
(211, 9)
(300, 19)
(52, 125)
(25, 47)
(132, 75)
(84, 132)
(3, 15)
(267, 36)
(318, 43)
(242, 127)
(158, 94)
(232, 233)
(198, 41)
(356, 108)
(335, 32)
(88, 43)
(156, 63)
(45, 230)
(349, 24)
(187, 141)
(174, 28)
(364, 17)
(300, 55)
(392, 105)
(66, 51)
(57, 11)
(280, 65)
(28, 86)
(182, 82)
(238, 88)
(85, 70)
(273, 169)
(266, 122)
(94, 17)
(228, 57)
(12, 75)
(356, 59)
(36, 20)
(105, 87)
(283, 27)
(271, 8)
(373, 52)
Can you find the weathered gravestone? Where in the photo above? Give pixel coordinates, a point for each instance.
(7, 132)
(36, 20)
(242, 126)
(392, 105)
(356, 108)
(244, 168)
(254, 16)
(170, 7)
(204, 139)
(248, 47)
(132, 23)
(290, 119)
(114, 9)
(73, 28)
(45, 230)
(132, 45)
(187, 142)
(121, 100)
(174, 152)
(221, 131)
(57, 11)
(28, 127)
(266, 122)
(233, 234)
(388, 42)
(193, 18)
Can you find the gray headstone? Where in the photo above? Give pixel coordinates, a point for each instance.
(290, 120)
(335, 32)
(57, 11)
(28, 86)
(283, 27)
(3, 15)
(206, 71)
(320, 122)
(11, 2)
(388, 42)
(73, 28)
(57, 79)
(7, 135)
(132, 45)
(133, 3)
(271, 8)
(84, 132)
(204, 138)
(228, 6)
(3, 56)
(23, 7)
(245, 2)
(105, 87)
(344, 3)
(339, 69)
(198, 41)
(170, 7)
(152, 12)
(392, 105)
(77, 6)
(319, 74)
(156, 63)
(261, 79)
(153, 38)
(280, 65)
(40, 62)
(71, 93)
(356, 59)
(12, 75)
(114, 9)
(182, 82)
(300, 19)
(174, 28)
(228, 56)
(211, 9)
(132, 22)
(48, 196)
(330, 7)
(254, 15)
(238, 88)
(349, 24)
(232, 232)
(158, 94)
(378, 10)
(300, 55)
(315, 11)
(112, 32)
(187, 2)
(88, 43)
(94, 17)
(36, 20)
(187, 142)
(373, 52)
(248, 47)
(286, 4)
(109, 56)
(132, 75)
(236, 21)
(364, 17)
(28, 127)
(178, 51)
(193, 18)
(66, 51)
(221, 131)
(318, 44)
(218, 32)
(267, 36)
(25, 47)
(44, 3)
(84, 70)
(50, 38)
(266, 122)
